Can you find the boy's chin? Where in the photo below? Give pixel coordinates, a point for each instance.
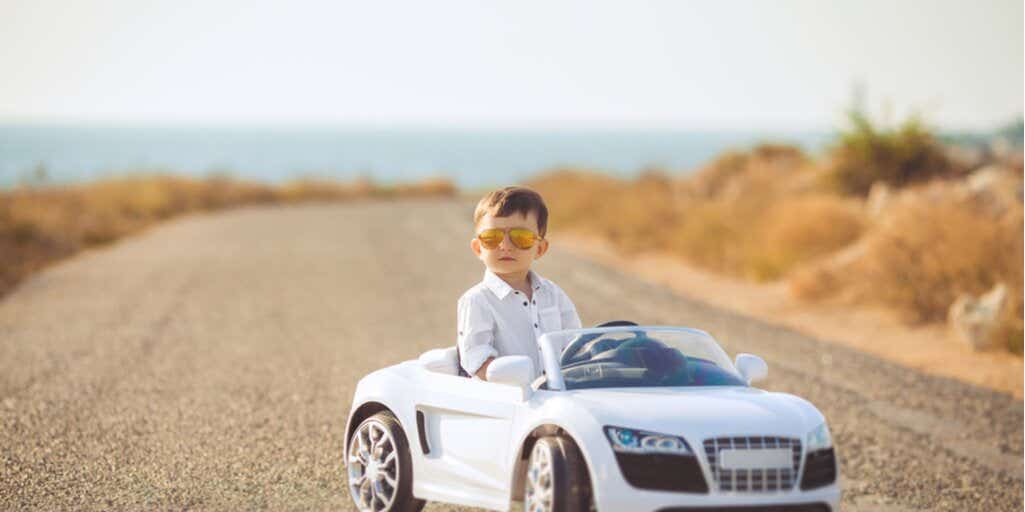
(507, 267)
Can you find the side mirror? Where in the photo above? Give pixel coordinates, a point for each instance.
(513, 370)
(752, 367)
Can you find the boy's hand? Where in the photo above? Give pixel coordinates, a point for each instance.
(482, 372)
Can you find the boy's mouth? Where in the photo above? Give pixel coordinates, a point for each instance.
(506, 258)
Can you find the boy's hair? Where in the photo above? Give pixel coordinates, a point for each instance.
(509, 200)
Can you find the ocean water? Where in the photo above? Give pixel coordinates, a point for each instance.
(472, 159)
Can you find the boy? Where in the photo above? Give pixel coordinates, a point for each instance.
(513, 306)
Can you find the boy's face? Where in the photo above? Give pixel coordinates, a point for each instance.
(507, 258)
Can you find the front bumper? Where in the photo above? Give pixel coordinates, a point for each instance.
(612, 498)
(612, 492)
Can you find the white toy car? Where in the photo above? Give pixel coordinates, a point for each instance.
(625, 418)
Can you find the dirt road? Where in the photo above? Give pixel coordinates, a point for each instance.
(209, 364)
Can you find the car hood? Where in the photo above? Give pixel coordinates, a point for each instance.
(701, 413)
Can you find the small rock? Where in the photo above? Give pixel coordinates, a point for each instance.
(973, 319)
(997, 189)
(878, 199)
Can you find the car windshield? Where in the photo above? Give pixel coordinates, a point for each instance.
(642, 357)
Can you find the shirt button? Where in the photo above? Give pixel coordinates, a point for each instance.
(533, 302)
(517, 293)
(524, 303)
(535, 325)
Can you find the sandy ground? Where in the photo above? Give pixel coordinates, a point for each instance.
(930, 348)
(209, 363)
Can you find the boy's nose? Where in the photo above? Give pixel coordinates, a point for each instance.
(505, 244)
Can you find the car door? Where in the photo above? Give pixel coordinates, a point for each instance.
(465, 424)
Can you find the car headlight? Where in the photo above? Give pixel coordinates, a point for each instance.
(819, 438)
(628, 440)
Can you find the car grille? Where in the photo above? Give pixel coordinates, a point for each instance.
(662, 472)
(819, 469)
(753, 480)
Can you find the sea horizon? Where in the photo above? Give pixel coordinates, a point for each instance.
(470, 157)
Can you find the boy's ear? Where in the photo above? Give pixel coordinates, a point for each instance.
(542, 248)
(475, 246)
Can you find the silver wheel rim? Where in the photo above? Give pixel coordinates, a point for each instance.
(373, 467)
(539, 487)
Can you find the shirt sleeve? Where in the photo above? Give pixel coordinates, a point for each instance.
(568, 312)
(476, 334)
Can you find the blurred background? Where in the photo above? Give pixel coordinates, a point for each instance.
(820, 145)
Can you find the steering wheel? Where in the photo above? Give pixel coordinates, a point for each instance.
(575, 346)
(661, 362)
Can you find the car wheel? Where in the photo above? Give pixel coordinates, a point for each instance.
(556, 479)
(379, 467)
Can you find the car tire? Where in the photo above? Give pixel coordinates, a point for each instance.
(379, 467)
(556, 479)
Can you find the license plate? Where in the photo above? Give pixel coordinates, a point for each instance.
(755, 459)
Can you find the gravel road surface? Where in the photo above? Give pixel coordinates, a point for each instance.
(209, 363)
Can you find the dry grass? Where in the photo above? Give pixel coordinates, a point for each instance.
(728, 217)
(798, 231)
(926, 254)
(931, 252)
(935, 243)
(771, 213)
(44, 224)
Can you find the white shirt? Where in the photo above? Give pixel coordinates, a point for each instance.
(496, 320)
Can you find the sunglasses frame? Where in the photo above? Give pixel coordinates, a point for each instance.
(505, 233)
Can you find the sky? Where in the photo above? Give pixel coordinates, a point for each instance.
(715, 65)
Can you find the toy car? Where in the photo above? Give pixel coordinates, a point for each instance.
(624, 418)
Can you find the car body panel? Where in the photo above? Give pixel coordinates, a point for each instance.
(475, 431)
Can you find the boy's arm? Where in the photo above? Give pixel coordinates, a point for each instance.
(482, 374)
(476, 336)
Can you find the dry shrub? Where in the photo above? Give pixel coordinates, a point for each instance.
(310, 189)
(577, 199)
(641, 217)
(635, 215)
(930, 252)
(714, 235)
(797, 231)
(815, 282)
(711, 180)
(712, 218)
(763, 214)
(759, 172)
(430, 187)
(321, 189)
(729, 206)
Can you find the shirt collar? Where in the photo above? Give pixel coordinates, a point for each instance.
(501, 288)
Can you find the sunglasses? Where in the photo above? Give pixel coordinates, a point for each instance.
(520, 237)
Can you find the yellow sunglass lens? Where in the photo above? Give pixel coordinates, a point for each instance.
(491, 238)
(522, 238)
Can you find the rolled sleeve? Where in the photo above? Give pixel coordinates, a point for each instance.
(476, 334)
(568, 312)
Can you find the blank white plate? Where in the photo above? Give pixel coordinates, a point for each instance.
(756, 459)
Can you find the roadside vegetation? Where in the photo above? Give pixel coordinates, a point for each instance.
(887, 216)
(40, 224)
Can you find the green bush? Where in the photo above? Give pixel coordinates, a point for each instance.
(865, 154)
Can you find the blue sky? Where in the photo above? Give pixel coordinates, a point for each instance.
(721, 65)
